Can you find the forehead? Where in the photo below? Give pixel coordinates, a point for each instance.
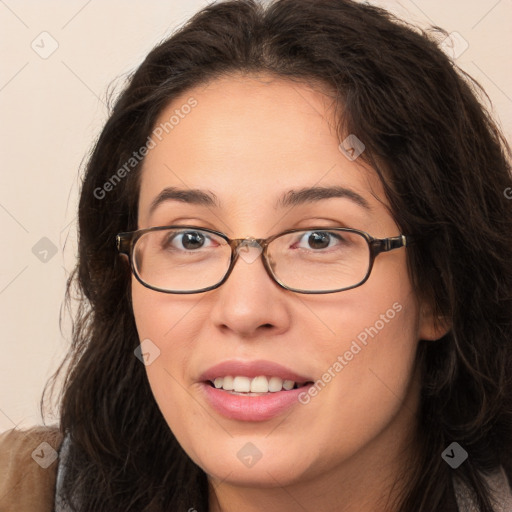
(247, 139)
(236, 115)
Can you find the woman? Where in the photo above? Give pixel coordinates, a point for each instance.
(294, 258)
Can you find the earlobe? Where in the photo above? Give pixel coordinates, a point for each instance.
(433, 327)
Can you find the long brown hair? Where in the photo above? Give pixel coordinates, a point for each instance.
(445, 167)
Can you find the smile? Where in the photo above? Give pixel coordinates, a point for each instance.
(254, 386)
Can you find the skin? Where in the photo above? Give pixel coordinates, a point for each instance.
(249, 140)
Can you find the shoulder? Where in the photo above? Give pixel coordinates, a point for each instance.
(28, 467)
(499, 485)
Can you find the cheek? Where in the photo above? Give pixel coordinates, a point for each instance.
(171, 323)
(367, 360)
(385, 327)
(157, 317)
(376, 356)
(165, 318)
(376, 323)
(168, 327)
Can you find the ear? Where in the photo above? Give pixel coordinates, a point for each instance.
(432, 326)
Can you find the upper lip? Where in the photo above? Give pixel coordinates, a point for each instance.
(251, 369)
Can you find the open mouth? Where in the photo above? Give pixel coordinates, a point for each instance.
(260, 397)
(262, 385)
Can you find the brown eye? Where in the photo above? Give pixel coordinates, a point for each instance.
(188, 240)
(320, 240)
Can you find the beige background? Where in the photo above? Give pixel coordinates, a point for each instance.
(51, 110)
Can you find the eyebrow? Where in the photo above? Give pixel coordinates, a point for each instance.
(190, 196)
(289, 198)
(313, 194)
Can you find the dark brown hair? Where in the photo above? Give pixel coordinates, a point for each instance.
(445, 167)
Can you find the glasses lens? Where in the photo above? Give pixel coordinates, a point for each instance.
(181, 259)
(318, 260)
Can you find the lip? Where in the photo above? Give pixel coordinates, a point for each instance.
(251, 408)
(252, 369)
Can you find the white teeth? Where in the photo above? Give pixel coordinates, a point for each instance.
(275, 384)
(288, 384)
(242, 384)
(260, 384)
(227, 383)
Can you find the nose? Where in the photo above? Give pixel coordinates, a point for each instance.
(250, 302)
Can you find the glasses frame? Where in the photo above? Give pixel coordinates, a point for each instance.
(126, 243)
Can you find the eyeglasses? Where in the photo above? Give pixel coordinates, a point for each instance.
(189, 259)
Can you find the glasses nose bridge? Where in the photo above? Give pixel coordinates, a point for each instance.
(238, 244)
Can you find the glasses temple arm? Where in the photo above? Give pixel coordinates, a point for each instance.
(123, 243)
(394, 242)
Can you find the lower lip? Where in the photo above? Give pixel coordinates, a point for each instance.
(251, 408)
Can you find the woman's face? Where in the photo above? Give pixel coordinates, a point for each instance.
(248, 142)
